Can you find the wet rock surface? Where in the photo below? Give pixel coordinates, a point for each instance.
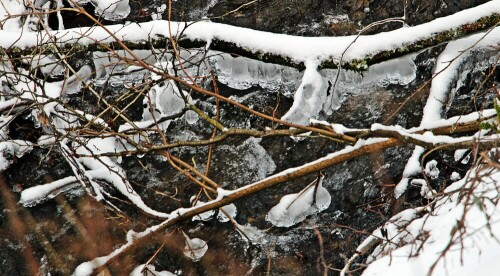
(320, 17)
(78, 229)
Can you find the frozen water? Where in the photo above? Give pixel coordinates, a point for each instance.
(230, 210)
(150, 271)
(114, 71)
(294, 208)
(195, 248)
(112, 10)
(48, 65)
(253, 233)
(191, 117)
(203, 216)
(242, 73)
(400, 71)
(310, 97)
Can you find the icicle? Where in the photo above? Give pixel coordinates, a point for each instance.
(309, 97)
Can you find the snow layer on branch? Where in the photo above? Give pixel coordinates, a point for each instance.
(105, 168)
(87, 267)
(446, 70)
(37, 194)
(12, 149)
(296, 48)
(11, 7)
(469, 223)
(294, 208)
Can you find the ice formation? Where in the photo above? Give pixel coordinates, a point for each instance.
(116, 72)
(229, 209)
(242, 73)
(149, 270)
(195, 248)
(399, 71)
(294, 208)
(163, 100)
(309, 98)
(113, 10)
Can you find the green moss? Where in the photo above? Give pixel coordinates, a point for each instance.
(16, 50)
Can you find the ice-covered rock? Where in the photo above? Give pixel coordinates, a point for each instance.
(249, 162)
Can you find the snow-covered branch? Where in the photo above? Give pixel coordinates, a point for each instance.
(294, 51)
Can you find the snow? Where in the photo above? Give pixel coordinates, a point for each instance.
(473, 249)
(11, 7)
(105, 168)
(48, 64)
(37, 194)
(309, 98)
(412, 167)
(447, 69)
(10, 149)
(431, 169)
(309, 51)
(294, 208)
(296, 48)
